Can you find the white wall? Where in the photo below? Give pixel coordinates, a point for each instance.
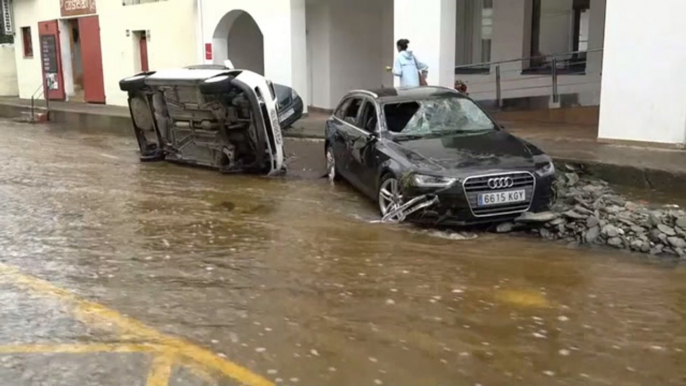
(319, 54)
(171, 42)
(245, 44)
(643, 97)
(430, 28)
(282, 23)
(28, 13)
(350, 43)
(357, 55)
(170, 45)
(8, 71)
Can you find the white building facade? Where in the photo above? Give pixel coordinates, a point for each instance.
(518, 53)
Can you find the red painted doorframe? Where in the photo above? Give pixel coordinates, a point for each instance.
(91, 57)
(144, 52)
(51, 58)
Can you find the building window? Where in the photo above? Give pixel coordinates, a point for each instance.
(474, 36)
(582, 25)
(27, 42)
(559, 30)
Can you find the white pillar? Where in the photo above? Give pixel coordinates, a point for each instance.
(285, 45)
(430, 28)
(643, 96)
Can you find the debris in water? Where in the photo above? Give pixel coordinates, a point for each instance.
(272, 371)
(314, 352)
(390, 302)
(260, 349)
(562, 318)
(372, 359)
(166, 243)
(549, 373)
(564, 352)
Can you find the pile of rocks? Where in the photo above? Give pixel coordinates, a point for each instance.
(588, 211)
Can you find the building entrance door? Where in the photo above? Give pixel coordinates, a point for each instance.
(91, 57)
(51, 62)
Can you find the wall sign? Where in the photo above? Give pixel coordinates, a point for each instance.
(208, 51)
(6, 15)
(77, 7)
(48, 47)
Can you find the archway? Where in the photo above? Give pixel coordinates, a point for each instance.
(239, 38)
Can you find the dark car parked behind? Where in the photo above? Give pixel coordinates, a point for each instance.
(398, 144)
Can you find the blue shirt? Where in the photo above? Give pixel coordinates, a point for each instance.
(407, 68)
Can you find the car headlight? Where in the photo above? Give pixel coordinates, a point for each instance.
(423, 181)
(547, 170)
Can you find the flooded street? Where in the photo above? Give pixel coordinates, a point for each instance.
(287, 281)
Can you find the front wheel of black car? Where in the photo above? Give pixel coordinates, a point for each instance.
(331, 166)
(389, 195)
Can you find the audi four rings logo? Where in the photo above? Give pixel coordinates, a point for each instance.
(500, 183)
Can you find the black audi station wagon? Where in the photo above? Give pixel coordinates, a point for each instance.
(398, 144)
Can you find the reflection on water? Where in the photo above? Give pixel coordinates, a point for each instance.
(287, 277)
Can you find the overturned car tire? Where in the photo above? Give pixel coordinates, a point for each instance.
(134, 83)
(216, 85)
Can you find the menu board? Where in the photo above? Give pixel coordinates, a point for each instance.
(48, 47)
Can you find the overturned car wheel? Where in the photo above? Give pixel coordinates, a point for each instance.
(134, 83)
(216, 85)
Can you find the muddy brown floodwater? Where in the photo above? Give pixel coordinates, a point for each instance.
(288, 278)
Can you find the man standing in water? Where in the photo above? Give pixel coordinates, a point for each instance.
(412, 72)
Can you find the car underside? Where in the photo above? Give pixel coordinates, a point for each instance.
(224, 124)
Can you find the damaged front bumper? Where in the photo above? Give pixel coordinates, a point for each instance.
(452, 204)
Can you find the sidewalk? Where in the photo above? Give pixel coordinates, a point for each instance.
(633, 166)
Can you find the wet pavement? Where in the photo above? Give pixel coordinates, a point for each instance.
(114, 272)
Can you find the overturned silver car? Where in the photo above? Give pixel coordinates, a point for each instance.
(226, 119)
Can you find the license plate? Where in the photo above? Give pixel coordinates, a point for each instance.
(497, 198)
(276, 125)
(289, 113)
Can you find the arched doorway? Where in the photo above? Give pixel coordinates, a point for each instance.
(239, 39)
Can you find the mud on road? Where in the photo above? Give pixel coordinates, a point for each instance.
(285, 281)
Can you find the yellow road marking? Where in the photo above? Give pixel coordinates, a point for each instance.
(523, 298)
(102, 317)
(77, 348)
(160, 371)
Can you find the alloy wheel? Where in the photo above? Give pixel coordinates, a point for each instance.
(389, 195)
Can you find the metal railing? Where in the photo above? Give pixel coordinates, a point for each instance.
(42, 90)
(527, 69)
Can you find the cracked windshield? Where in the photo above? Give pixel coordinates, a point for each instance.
(341, 193)
(437, 117)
